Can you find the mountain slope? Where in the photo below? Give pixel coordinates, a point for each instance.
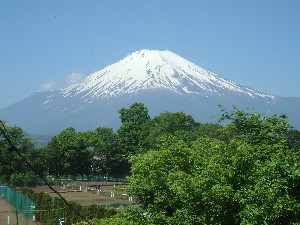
(146, 69)
(162, 80)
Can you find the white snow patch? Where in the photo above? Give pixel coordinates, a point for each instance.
(152, 69)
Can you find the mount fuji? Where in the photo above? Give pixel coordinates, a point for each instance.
(162, 80)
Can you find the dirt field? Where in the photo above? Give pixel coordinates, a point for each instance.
(83, 186)
(107, 194)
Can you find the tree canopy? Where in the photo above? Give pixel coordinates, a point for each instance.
(181, 171)
(10, 163)
(252, 179)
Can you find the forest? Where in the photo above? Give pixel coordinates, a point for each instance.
(244, 169)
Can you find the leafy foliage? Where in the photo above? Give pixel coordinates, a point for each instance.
(67, 153)
(251, 179)
(10, 163)
(256, 128)
(167, 124)
(126, 216)
(183, 172)
(104, 144)
(130, 134)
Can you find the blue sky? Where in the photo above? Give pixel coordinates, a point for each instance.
(48, 44)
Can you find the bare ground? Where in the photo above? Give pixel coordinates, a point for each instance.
(107, 194)
(6, 211)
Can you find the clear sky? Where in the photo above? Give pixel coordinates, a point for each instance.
(48, 44)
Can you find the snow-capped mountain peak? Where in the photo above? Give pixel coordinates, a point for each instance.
(162, 80)
(153, 69)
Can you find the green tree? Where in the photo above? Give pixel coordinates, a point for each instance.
(55, 158)
(38, 159)
(68, 154)
(271, 194)
(131, 134)
(166, 124)
(104, 144)
(253, 178)
(10, 163)
(256, 128)
(178, 183)
(293, 139)
(214, 131)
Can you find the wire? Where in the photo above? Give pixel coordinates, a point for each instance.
(13, 148)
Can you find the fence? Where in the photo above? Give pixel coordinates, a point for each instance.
(19, 210)
(90, 178)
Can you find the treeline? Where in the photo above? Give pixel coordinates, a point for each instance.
(247, 172)
(100, 152)
(182, 171)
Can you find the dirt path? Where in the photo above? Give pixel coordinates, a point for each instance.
(6, 213)
(4, 206)
(8, 216)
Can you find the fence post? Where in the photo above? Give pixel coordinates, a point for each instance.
(91, 197)
(106, 195)
(17, 217)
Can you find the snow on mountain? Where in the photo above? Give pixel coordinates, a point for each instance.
(152, 69)
(162, 80)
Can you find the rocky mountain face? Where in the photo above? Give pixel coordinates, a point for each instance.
(162, 80)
